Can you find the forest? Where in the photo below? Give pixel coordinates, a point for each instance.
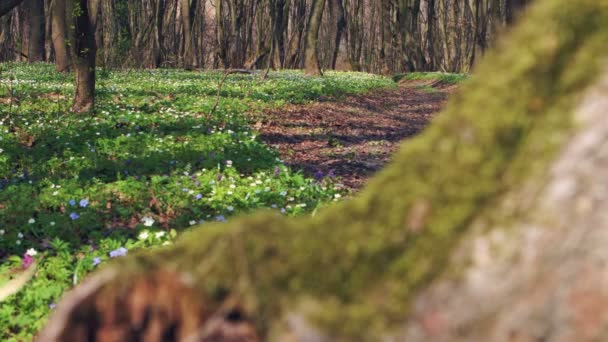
(385, 37)
(303, 170)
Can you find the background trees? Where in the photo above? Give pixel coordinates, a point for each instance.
(378, 36)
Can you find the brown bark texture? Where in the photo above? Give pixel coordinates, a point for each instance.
(59, 35)
(311, 63)
(82, 43)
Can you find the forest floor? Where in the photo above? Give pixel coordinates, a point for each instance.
(352, 137)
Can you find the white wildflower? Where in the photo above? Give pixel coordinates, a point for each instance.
(148, 221)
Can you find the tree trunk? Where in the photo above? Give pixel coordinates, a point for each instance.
(159, 11)
(188, 43)
(484, 228)
(59, 35)
(338, 10)
(82, 43)
(222, 45)
(35, 20)
(311, 62)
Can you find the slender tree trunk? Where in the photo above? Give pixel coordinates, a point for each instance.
(188, 43)
(338, 10)
(82, 43)
(312, 37)
(222, 46)
(430, 42)
(59, 35)
(159, 11)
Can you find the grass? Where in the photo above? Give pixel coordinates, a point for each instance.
(78, 190)
(445, 78)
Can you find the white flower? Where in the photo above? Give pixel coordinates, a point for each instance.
(159, 235)
(229, 163)
(2, 231)
(192, 223)
(31, 221)
(230, 208)
(18, 242)
(52, 223)
(337, 195)
(143, 235)
(20, 235)
(148, 221)
(31, 252)
(1, 150)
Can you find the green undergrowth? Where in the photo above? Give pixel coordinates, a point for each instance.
(440, 77)
(78, 190)
(354, 268)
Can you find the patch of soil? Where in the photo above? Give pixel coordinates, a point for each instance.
(352, 137)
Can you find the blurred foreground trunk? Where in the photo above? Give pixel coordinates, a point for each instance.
(490, 226)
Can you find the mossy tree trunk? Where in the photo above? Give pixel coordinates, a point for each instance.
(489, 226)
(83, 48)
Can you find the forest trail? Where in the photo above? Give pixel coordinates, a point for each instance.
(352, 137)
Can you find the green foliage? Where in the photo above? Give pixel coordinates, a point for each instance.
(354, 269)
(149, 162)
(444, 78)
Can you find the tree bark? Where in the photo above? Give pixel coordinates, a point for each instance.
(188, 43)
(159, 11)
(311, 63)
(338, 10)
(35, 20)
(59, 35)
(82, 43)
(499, 236)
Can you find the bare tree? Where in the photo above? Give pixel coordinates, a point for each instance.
(59, 35)
(35, 22)
(312, 36)
(82, 43)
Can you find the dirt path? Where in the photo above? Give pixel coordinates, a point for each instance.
(353, 137)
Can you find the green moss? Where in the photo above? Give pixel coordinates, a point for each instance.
(364, 259)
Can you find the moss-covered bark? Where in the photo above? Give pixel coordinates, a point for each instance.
(353, 269)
